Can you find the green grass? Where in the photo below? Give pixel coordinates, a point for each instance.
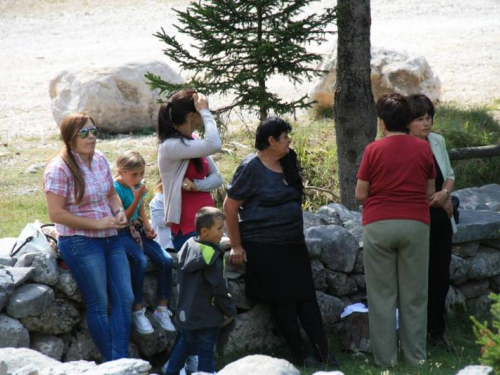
(469, 128)
(439, 361)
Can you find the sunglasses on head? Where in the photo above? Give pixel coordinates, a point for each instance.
(84, 133)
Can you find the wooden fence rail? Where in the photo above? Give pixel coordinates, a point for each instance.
(474, 152)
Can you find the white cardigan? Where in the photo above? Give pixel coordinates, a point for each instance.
(173, 160)
(438, 146)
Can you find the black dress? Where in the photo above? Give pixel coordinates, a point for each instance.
(441, 241)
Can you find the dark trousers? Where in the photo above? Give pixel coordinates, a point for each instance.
(287, 317)
(441, 240)
(200, 341)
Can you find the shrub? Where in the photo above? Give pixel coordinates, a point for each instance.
(488, 338)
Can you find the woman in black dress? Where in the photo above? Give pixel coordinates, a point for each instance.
(264, 222)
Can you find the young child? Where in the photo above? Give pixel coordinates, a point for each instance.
(203, 295)
(157, 210)
(138, 242)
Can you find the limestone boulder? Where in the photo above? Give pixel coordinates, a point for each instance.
(485, 264)
(478, 198)
(473, 289)
(66, 284)
(51, 346)
(339, 284)
(455, 302)
(355, 333)
(12, 333)
(156, 342)
(359, 266)
(45, 270)
(391, 71)
(30, 300)
(466, 249)
(6, 287)
(259, 364)
(237, 291)
(476, 370)
(18, 358)
(458, 269)
(124, 366)
(331, 307)
(60, 317)
(319, 275)
(249, 332)
(82, 347)
(328, 216)
(360, 281)
(480, 304)
(477, 225)
(116, 97)
(335, 246)
(310, 220)
(19, 274)
(492, 242)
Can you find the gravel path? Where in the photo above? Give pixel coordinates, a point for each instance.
(39, 38)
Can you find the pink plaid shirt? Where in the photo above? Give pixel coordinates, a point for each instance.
(94, 205)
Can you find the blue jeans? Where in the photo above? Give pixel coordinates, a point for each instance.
(139, 262)
(101, 270)
(180, 239)
(199, 341)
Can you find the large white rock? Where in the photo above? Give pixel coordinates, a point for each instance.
(391, 71)
(259, 364)
(17, 358)
(116, 97)
(26, 361)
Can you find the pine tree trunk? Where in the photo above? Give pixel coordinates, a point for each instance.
(354, 110)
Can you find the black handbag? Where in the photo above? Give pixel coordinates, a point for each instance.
(455, 202)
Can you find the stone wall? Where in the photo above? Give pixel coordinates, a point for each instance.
(41, 307)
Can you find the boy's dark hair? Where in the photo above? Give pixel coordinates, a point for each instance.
(395, 111)
(420, 105)
(270, 127)
(206, 216)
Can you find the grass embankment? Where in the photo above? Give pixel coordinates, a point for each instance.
(22, 199)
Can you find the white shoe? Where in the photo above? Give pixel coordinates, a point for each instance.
(162, 316)
(164, 369)
(191, 363)
(141, 323)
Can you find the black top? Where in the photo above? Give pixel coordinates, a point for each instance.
(438, 215)
(272, 208)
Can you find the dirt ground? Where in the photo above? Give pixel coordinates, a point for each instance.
(39, 38)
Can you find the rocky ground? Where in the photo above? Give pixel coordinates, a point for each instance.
(40, 38)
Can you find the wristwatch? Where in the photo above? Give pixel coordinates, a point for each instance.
(119, 210)
(447, 192)
(185, 185)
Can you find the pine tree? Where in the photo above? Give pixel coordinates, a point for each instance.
(240, 44)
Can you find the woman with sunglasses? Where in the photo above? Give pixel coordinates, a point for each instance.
(83, 203)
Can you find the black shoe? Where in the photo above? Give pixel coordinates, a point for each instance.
(332, 361)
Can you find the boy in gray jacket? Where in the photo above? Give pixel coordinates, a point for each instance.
(203, 295)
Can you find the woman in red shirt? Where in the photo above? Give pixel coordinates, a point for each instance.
(395, 181)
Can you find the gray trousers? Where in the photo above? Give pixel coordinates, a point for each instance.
(396, 258)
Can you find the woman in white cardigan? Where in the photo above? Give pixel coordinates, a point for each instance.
(187, 171)
(442, 223)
